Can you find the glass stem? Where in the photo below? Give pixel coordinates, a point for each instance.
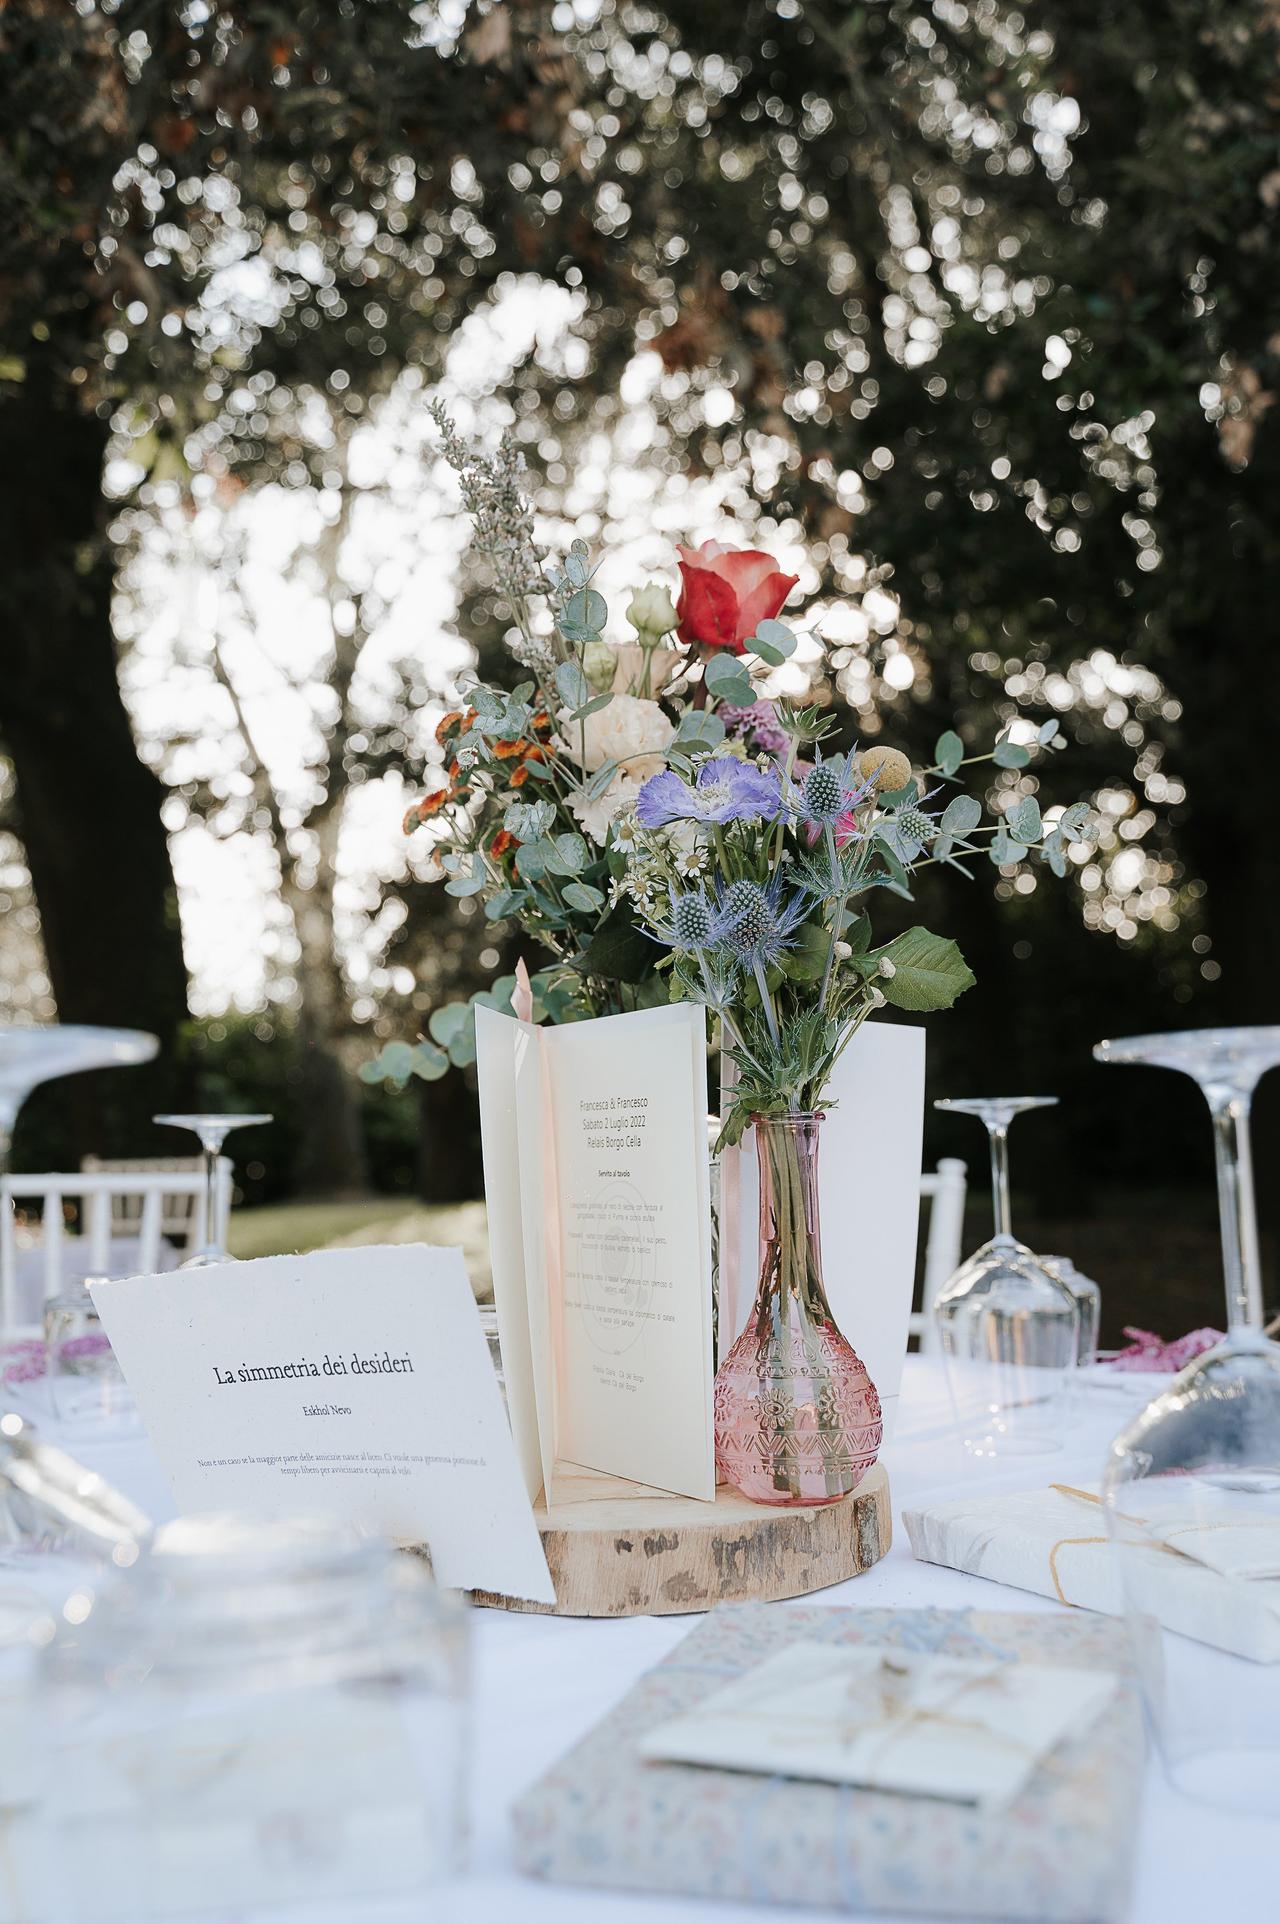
(999, 1134)
(1241, 1264)
(211, 1242)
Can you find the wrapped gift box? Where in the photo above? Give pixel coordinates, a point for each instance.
(1053, 1542)
(1061, 1853)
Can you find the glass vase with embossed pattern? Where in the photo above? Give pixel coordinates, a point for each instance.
(797, 1418)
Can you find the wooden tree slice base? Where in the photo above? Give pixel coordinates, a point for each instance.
(631, 1555)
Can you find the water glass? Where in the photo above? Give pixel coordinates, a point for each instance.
(256, 1716)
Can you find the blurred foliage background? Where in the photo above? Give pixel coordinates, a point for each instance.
(966, 309)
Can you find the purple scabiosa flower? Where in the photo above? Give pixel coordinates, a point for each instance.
(726, 790)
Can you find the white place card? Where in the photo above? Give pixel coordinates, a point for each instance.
(966, 1729)
(351, 1382)
(598, 1192)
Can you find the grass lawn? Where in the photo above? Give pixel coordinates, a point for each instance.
(288, 1228)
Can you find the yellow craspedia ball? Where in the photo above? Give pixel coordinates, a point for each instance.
(888, 768)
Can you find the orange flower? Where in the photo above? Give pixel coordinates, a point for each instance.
(505, 750)
(502, 843)
(519, 776)
(457, 722)
(429, 805)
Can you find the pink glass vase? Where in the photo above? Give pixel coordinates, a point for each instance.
(797, 1418)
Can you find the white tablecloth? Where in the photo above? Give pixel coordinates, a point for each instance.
(541, 1682)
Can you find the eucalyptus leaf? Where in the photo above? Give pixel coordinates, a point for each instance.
(1055, 854)
(591, 707)
(503, 904)
(468, 884)
(445, 1024)
(929, 971)
(599, 782)
(430, 1063)
(580, 895)
(1048, 733)
(1025, 822)
(531, 861)
(728, 680)
(961, 815)
(576, 570)
(572, 849)
(587, 609)
(949, 752)
(697, 726)
(1007, 754)
(777, 635)
(767, 652)
(572, 685)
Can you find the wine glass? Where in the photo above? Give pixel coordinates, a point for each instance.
(1009, 1328)
(1198, 1472)
(37, 1052)
(213, 1131)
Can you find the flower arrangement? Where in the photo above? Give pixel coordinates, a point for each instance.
(662, 830)
(644, 812)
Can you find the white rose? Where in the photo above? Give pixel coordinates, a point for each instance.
(651, 610)
(629, 731)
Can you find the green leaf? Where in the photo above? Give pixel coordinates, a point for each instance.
(1055, 854)
(929, 971)
(576, 569)
(961, 815)
(580, 895)
(618, 951)
(1004, 850)
(586, 610)
(429, 1063)
(767, 652)
(1025, 821)
(806, 961)
(1048, 733)
(572, 685)
(531, 861)
(777, 635)
(700, 727)
(857, 931)
(573, 852)
(591, 707)
(503, 904)
(728, 680)
(444, 1024)
(948, 752)
(1007, 754)
(468, 884)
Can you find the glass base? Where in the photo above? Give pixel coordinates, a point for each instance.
(1000, 1443)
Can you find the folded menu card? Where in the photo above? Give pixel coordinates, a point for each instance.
(1198, 1581)
(351, 1382)
(598, 1194)
(968, 1729)
(1060, 1851)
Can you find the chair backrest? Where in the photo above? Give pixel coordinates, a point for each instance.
(151, 1195)
(945, 1191)
(179, 1205)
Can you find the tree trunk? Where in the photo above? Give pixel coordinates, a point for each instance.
(89, 809)
(331, 1159)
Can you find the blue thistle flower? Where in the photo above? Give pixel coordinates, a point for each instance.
(754, 927)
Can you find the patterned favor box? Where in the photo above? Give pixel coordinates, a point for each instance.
(1061, 1854)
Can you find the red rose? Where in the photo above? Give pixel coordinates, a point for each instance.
(726, 593)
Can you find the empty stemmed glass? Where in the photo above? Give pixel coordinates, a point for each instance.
(213, 1131)
(1008, 1327)
(1198, 1472)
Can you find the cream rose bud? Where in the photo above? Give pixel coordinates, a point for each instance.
(652, 610)
(599, 665)
(629, 731)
